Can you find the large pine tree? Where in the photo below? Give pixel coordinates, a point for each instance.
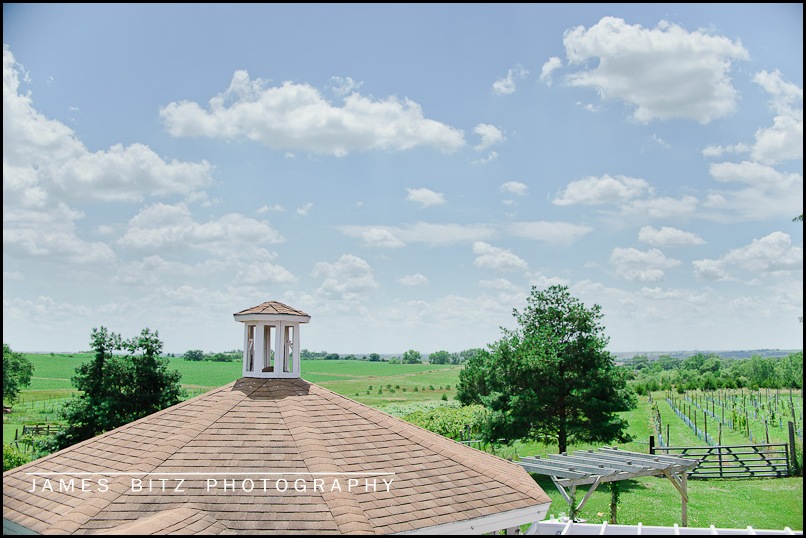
(551, 379)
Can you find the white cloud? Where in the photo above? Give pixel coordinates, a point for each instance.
(710, 270)
(297, 117)
(344, 85)
(128, 174)
(43, 157)
(490, 257)
(163, 227)
(644, 67)
(662, 207)
(425, 197)
(784, 140)
(767, 192)
(347, 279)
(374, 236)
(771, 254)
(515, 187)
(422, 232)
(659, 141)
(550, 65)
(498, 284)
(304, 209)
(718, 151)
(543, 281)
(44, 164)
(264, 273)
(59, 242)
(643, 266)
(668, 237)
(507, 85)
(601, 190)
(490, 135)
(557, 233)
(493, 155)
(266, 208)
(417, 279)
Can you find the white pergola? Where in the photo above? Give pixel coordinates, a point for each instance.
(594, 467)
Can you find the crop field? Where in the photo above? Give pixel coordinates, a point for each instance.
(371, 383)
(734, 417)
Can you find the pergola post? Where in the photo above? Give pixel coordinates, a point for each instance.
(684, 509)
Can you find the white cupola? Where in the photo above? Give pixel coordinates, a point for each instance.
(270, 322)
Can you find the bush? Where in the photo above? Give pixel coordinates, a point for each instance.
(13, 457)
(452, 422)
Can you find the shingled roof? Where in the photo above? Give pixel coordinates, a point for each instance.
(282, 445)
(274, 308)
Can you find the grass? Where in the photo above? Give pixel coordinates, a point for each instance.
(762, 504)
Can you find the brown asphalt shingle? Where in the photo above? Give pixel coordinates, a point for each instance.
(273, 307)
(254, 426)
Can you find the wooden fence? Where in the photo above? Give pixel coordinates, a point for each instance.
(735, 461)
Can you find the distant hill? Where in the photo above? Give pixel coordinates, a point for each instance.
(730, 354)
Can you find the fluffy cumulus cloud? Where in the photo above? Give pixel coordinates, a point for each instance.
(508, 84)
(499, 259)
(763, 192)
(784, 139)
(347, 279)
(46, 167)
(668, 237)
(601, 190)
(644, 67)
(295, 116)
(515, 187)
(46, 157)
(773, 253)
(168, 227)
(549, 67)
(489, 134)
(425, 197)
(642, 266)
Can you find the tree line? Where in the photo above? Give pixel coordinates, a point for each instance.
(709, 371)
(409, 357)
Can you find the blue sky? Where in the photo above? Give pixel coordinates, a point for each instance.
(403, 173)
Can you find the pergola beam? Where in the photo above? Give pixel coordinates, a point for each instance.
(609, 465)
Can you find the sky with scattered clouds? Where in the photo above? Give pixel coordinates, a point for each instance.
(405, 173)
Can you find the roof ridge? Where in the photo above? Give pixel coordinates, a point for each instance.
(456, 451)
(350, 518)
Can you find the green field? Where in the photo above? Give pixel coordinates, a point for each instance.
(760, 503)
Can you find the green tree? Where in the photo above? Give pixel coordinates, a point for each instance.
(194, 355)
(412, 357)
(465, 355)
(17, 372)
(374, 357)
(550, 379)
(439, 357)
(117, 389)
